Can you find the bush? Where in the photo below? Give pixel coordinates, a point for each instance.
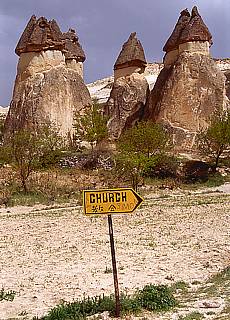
(151, 297)
(214, 141)
(137, 146)
(195, 170)
(7, 295)
(130, 165)
(90, 127)
(156, 298)
(161, 166)
(27, 151)
(147, 138)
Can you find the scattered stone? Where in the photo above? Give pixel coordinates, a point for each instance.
(210, 304)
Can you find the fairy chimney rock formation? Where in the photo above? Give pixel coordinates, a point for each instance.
(47, 87)
(40, 35)
(128, 96)
(131, 58)
(74, 54)
(40, 47)
(171, 46)
(190, 34)
(190, 87)
(195, 37)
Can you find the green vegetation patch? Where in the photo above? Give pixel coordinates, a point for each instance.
(7, 295)
(151, 297)
(192, 316)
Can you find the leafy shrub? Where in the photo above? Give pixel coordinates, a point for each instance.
(28, 150)
(91, 127)
(194, 170)
(151, 297)
(156, 298)
(146, 137)
(81, 308)
(130, 165)
(7, 295)
(161, 166)
(214, 141)
(129, 304)
(195, 315)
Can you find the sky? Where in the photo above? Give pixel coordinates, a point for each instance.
(103, 26)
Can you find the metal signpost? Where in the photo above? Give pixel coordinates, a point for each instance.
(107, 202)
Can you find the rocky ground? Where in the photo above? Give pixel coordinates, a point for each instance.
(50, 255)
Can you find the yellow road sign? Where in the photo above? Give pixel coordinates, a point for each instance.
(107, 201)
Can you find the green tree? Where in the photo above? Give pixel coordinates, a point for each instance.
(137, 146)
(130, 165)
(215, 140)
(26, 150)
(146, 138)
(92, 125)
(52, 145)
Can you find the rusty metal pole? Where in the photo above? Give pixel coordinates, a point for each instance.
(115, 278)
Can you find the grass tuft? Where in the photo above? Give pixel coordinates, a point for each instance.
(151, 297)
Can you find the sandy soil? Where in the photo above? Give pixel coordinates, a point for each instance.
(50, 256)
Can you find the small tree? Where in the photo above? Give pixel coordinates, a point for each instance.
(136, 146)
(146, 138)
(92, 125)
(53, 144)
(130, 165)
(215, 140)
(26, 150)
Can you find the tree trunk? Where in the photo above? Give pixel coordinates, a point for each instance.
(24, 185)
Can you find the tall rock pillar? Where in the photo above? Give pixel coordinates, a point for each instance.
(128, 95)
(46, 88)
(190, 88)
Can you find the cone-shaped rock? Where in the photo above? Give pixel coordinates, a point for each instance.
(73, 49)
(132, 54)
(128, 95)
(46, 89)
(190, 88)
(40, 35)
(195, 30)
(173, 41)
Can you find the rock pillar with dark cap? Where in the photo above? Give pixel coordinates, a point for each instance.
(190, 88)
(128, 95)
(74, 54)
(45, 89)
(131, 58)
(171, 46)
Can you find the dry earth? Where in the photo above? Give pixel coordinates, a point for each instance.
(52, 255)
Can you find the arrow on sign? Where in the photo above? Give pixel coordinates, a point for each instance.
(107, 201)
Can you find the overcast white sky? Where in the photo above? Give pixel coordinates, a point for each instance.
(103, 26)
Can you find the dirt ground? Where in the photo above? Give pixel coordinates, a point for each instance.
(48, 256)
